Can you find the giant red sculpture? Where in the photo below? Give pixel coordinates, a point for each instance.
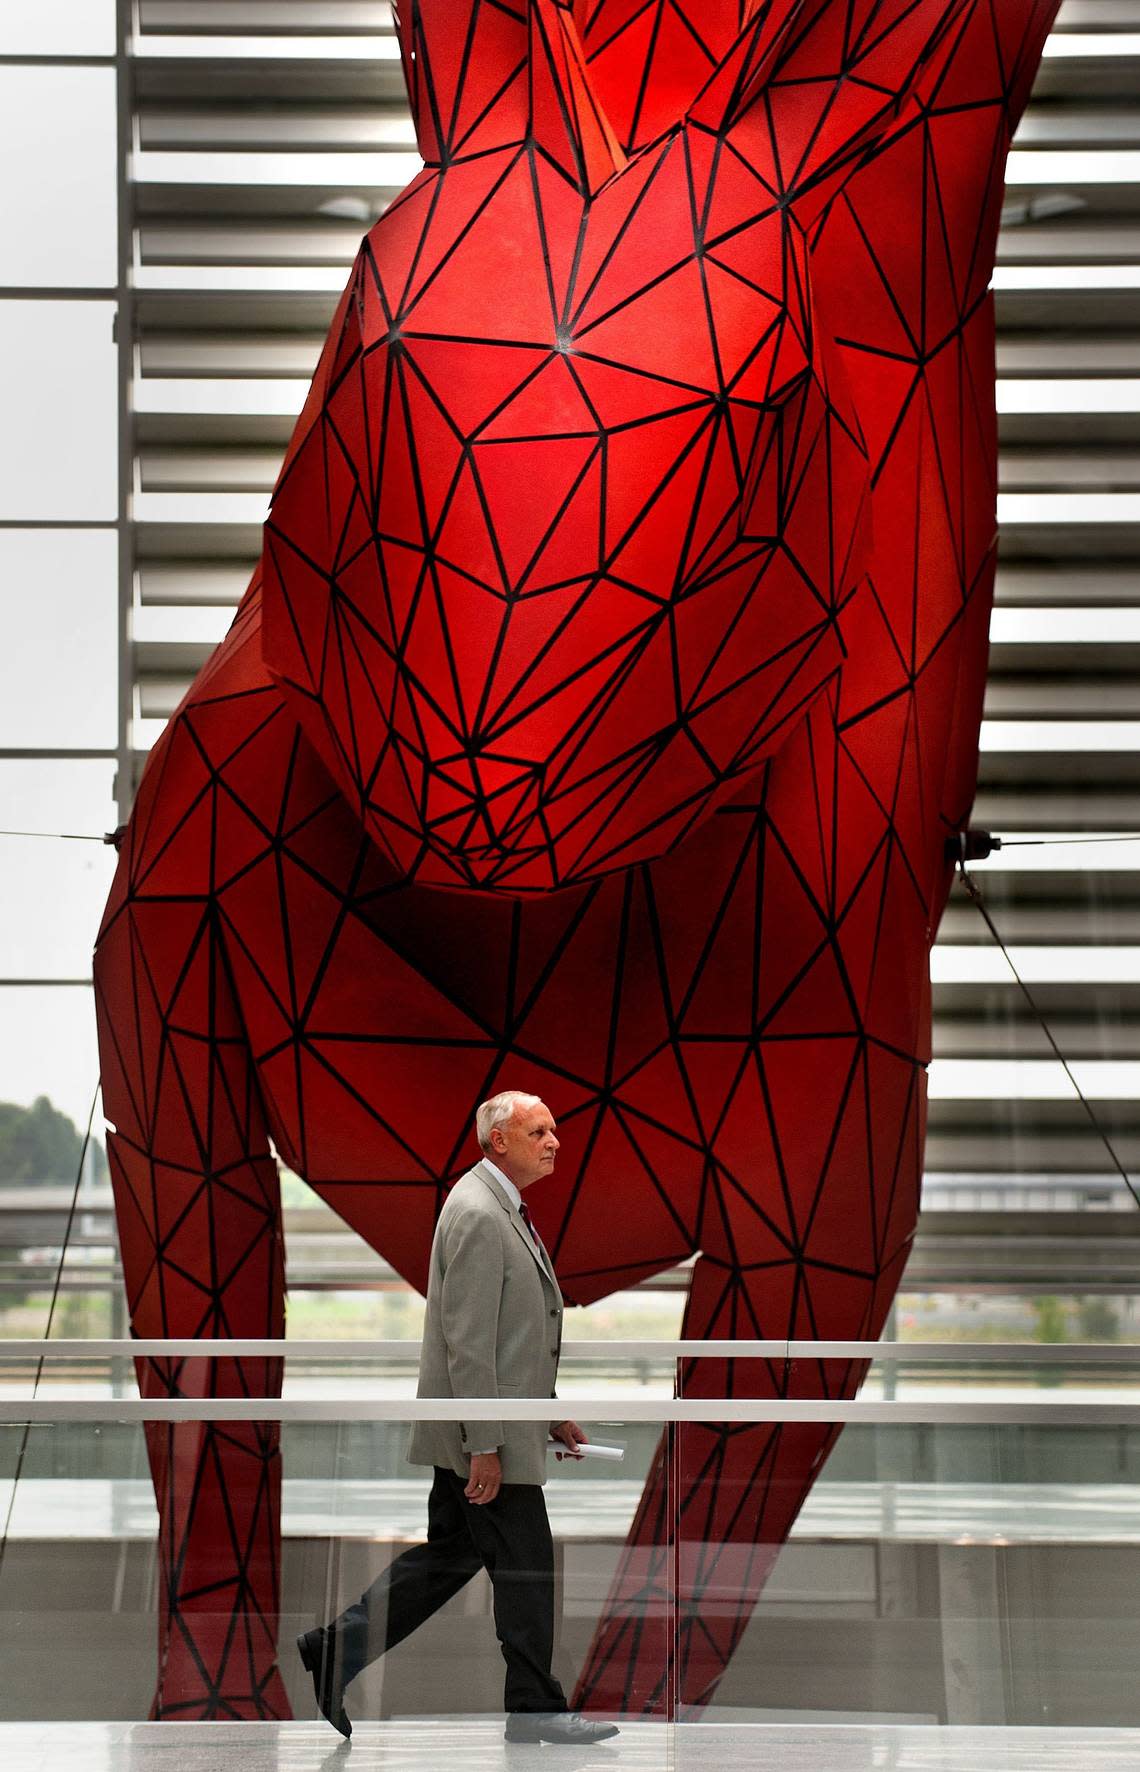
(594, 724)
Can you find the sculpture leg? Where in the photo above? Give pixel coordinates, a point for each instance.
(721, 1499)
(197, 1202)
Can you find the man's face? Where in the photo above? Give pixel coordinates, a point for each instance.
(524, 1148)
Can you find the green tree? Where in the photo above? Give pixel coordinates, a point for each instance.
(40, 1145)
(1098, 1319)
(1049, 1326)
(1050, 1320)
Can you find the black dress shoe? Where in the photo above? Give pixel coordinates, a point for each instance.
(567, 1727)
(314, 1648)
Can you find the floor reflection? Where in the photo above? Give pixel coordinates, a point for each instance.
(475, 1744)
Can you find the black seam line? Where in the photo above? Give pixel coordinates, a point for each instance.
(586, 721)
(625, 773)
(375, 635)
(362, 1101)
(371, 264)
(548, 536)
(617, 31)
(278, 865)
(147, 861)
(488, 721)
(570, 124)
(635, 295)
(910, 1115)
(109, 1023)
(780, 715)
(353, 762)
(492, 724)
(346, 897)
(467, 61)
(623, 230)
(418, 335)
(278, 581)
(583, 728)
(643, 84)
(691, 707)
(687, 813)
(731, 504)
(410, 301)
(543, 238)
(686, 1001)
(699, 1146)
(684, 1231)
(706, 424)
(426, 88)
(857, 1065)
(360, 492)
(511, 140)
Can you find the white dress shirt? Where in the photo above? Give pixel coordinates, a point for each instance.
(505, 1182)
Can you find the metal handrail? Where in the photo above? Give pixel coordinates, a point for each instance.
(1070, 1353)
(613, 1407)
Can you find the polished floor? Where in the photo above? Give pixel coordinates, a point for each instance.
(477, 1744)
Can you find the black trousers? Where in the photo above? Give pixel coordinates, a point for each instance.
(510, 1538)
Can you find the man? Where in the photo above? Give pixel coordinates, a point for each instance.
(493, 1327)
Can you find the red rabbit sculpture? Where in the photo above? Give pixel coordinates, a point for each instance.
(594, 724)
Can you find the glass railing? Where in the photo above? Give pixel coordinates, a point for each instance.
(954, 1549)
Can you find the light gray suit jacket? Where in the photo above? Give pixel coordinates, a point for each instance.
(493, 1328)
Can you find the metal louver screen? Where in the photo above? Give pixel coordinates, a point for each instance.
(268, 134)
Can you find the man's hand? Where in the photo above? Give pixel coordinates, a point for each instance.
(571, 1436)
(486, 1478)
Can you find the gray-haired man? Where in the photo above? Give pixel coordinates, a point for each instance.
(493, 1327)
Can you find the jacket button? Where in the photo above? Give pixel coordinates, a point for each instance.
(554, 1353)
(554, 1313)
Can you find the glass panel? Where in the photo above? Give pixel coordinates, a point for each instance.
(976, 1576)
(1064, 1305)
(59, 440)
(59, 666)
(58, 27)
(48, 1070)
(81, 1592)
(58, 180)
(51, 900)
(942, 1578)
(45, 794)
(47, 1048)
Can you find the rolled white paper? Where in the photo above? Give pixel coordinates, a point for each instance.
(588, 1449)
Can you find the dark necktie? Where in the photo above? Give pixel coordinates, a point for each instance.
(526, 1220)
